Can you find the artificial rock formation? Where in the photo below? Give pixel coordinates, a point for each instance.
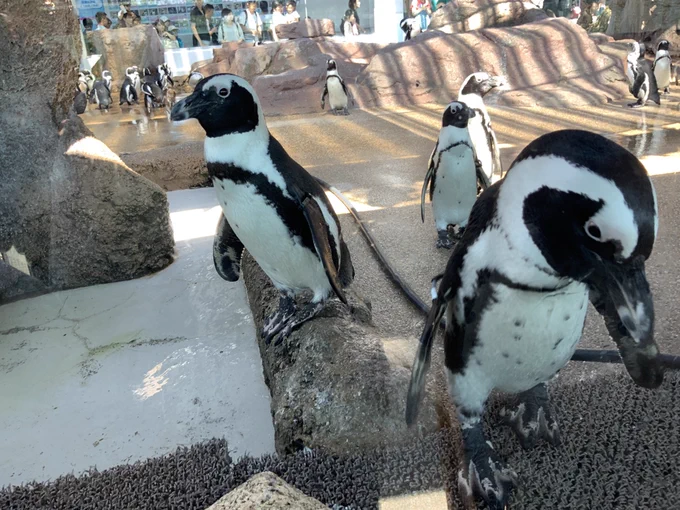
(125, 47)
(334, 384)
(645, 20)
(306, 28)
(466, 15)
(550, 63)
(67, 203)
(266, 491)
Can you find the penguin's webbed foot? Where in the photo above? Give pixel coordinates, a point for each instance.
(532, 419)
(277, 321)
(287, 319)
(484, 475)
(638, 104)
(445, 239)
(345, 111)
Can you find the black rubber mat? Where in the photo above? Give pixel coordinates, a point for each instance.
(621, 450)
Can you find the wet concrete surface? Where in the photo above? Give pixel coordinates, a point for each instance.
(115, 373)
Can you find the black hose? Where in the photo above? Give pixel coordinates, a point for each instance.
(588, 355)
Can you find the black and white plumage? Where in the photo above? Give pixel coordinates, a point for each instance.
(410, 27)
(662, 66)
(154, 95)
(641, 80)
(483, 137)
(271, 205)
(336, 90)
(128, 91)
(452, 174)
(101, 95)
(107, 78)
(133, 73)
(80, 101)
(86, 81)
(575, 218)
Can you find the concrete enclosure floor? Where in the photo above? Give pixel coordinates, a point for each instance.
(114, 373)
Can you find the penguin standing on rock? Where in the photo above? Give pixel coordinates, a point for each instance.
(662, 66)
(472, 92)
(335, 89)
(575, 218)
(452, 174)
(641, 79)
(271, 206)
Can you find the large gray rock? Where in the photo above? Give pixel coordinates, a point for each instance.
(335, 383)
(645, 20)
(124, 47)
(266, 491)
(67, 203)
(465, 15)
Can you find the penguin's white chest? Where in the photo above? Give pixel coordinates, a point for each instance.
(662, 73)
(336, 95)
(523, 339)
(455, 189)
(288, 263)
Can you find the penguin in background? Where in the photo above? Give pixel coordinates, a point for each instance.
(483, 137)
(101, 94)
(271, 206)
(80, 100)
(452, 175)
(662, 66)
(574, 220)
(641, 80)
(88, 79)
(128, 92)
(108, 79)
(336, 90)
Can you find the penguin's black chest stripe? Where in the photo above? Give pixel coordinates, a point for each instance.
(286, 208)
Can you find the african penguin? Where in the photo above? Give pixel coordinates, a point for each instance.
(80, 101)
(335, 89)
(88, 79)
(662, 66)
(575, 218)
(101, 95)
(641, 80)
(194, 78)
(107, 77)
(128, 92)
(271, 205)
(154, 94)
(452, 174)
(472, 92)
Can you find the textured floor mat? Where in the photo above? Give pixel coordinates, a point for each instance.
(621, 450)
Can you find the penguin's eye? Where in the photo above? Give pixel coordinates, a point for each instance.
(593, 231)
(223, 92)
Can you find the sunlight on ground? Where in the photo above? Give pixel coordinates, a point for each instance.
(195, 223)
(435, 500)
(660, 165)
(92, 148)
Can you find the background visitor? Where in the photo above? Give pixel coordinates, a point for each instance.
(251, 23)
(421, 9)
(199, 25)
(229, 30)
(292, 16)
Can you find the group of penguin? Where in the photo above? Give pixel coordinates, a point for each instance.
(156, 86)
(573, 220)
(646, 79)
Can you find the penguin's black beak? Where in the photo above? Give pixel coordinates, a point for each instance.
(621, 294)
(188, 108)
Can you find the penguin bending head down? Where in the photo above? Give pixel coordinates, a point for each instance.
(271, 206)
(128, 91)
(335, 89)
(662, 66)
(452, 174)
(101, 94)
(472, 92)
(574, 219)
(641, 79)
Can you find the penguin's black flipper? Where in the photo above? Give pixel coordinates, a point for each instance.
(346, 267)
(227, 251)
(422, 361)
(324, 93)
(429, 180)
(320, 234)
(481, 176)
(133, 93)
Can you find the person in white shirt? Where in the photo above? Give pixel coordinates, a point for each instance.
(292, 15)
(251, 22)
(228, 30)
(278, 18)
